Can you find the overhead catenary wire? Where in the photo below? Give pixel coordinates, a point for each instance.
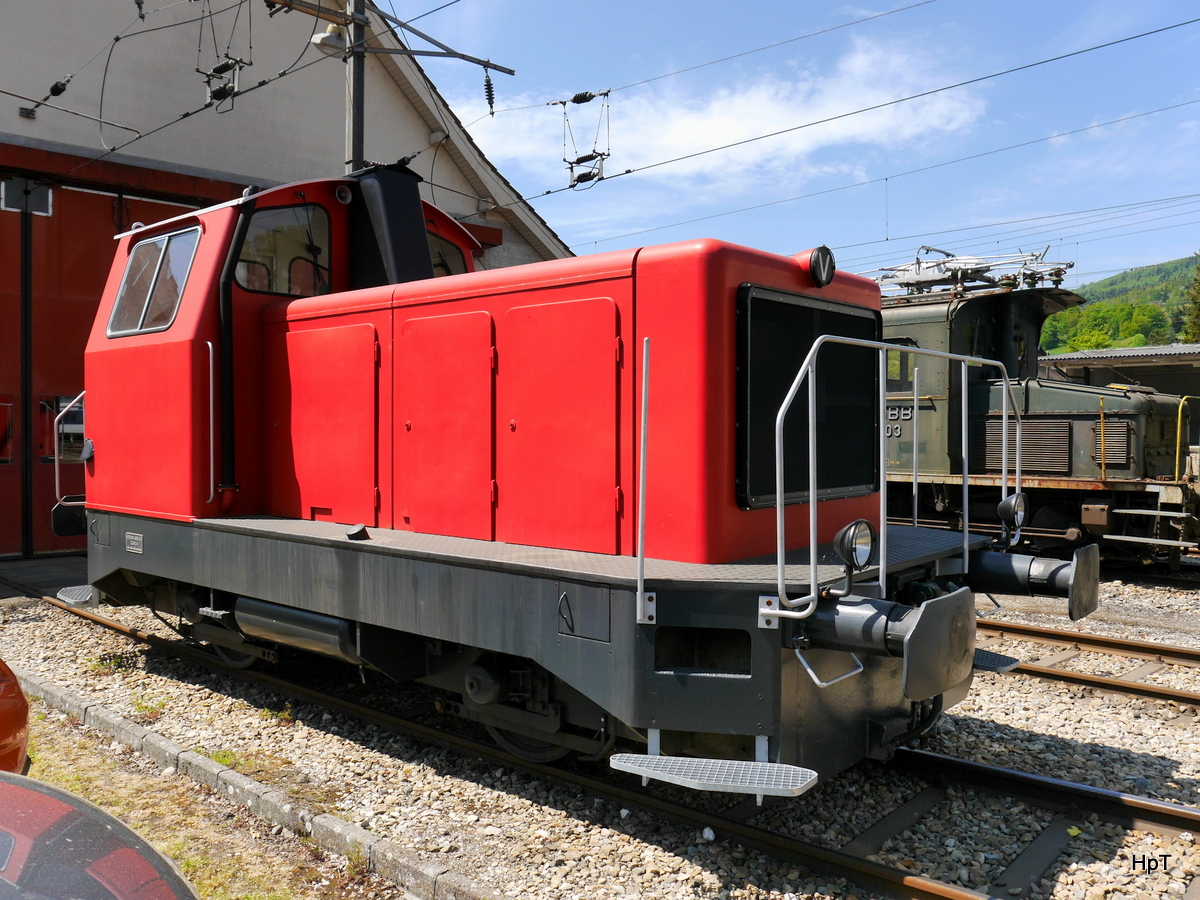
(292, 69)
(917, 96)
(713, 62)
(792, 40)
(874, 107)
(72, 112)
(435, 108)
(430, 12)
(1052, 232)
(884, 178)
(191, 112)
(121, 33)
(1024, 219)
(250, 30)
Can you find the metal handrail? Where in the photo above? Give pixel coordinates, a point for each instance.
(1179, 431)
(803, 607)
(212, 448)
(645, 602)
(58, 494)
(916, 428)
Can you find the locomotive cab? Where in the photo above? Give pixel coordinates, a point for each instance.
(593, 500)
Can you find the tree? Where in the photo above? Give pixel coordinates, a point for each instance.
(1191, 303)
(1094, 339)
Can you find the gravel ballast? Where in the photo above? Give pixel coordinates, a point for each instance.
(521, 837)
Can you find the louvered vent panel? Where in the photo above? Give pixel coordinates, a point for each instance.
(1045, 447)
(1168, 430)
(1116, 443)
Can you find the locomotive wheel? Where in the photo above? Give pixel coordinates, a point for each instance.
(233, 658)
(528, 748)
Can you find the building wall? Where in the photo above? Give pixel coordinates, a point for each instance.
(292, 129)
(289, 130)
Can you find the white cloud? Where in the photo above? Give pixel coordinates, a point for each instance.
(650, 125)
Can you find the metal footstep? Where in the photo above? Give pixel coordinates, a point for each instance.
(729, 775)
(988, 661)
(78, 595)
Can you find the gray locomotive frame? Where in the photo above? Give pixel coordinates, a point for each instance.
(418, 600)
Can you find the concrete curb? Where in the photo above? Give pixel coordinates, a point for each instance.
(424, 880)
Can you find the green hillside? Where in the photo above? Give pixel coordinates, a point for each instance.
(1144, 306)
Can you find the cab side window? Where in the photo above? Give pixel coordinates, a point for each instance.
(154, 279)
(286, 251)
(447, 256)
(900, 366)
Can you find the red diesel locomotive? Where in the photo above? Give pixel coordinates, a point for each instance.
(297, 435)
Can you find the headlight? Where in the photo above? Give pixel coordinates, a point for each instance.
(1013, 509)
(855, 544)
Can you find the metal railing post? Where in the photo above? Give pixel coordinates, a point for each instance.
(883, 485)
(1003, 442)
(966, 465)
(58, 494)
(803, 607)
(212, 440)
(916, 434)
(645, 602)
(1179, 433)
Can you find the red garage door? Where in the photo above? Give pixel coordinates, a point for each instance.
(60, 242)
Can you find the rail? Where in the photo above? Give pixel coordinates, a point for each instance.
(803, 607)
(58, 494)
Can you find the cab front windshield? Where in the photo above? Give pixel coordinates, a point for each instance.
(286, 251)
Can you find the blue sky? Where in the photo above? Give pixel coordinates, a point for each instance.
(1022, 198)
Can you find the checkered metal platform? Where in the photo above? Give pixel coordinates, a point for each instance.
(727, 775)
(988, 661)
(78, 595)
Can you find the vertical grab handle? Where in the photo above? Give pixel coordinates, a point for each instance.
(645, 601)
(212, 447)
(58, 494)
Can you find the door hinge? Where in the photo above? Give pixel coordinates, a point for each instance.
(378, 499)
(494, 359)
(377, 353)
(620, 352)
(495, 492)
(620, 500)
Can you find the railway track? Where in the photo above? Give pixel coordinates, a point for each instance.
(1154, 658)
(1072, 803)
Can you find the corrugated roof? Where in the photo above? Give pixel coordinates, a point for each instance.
(1113, 354)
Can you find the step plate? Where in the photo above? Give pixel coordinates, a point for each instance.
(987, 661)
(78, 595)
(733, 776)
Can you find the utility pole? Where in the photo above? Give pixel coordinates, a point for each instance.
(355, 86)
(352, 43)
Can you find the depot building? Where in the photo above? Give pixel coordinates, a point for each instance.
(98, 134)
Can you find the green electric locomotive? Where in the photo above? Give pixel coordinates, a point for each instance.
(1107, 464)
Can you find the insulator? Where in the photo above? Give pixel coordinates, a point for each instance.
(583, 97)
(489, 91)
(222, 92)
(222, 68)
(586, 158)
(141, 12)
(57, 88)
(588, 175)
